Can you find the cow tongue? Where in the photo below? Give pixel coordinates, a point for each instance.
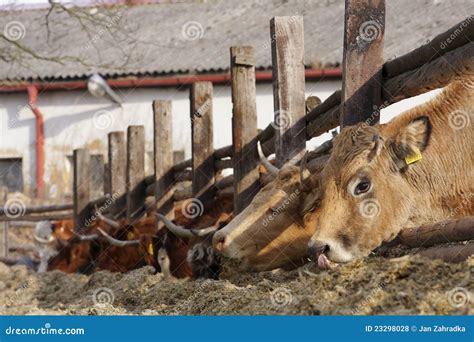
(324, 263)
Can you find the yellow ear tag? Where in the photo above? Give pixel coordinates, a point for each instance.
(413, 158)
(150, 249)
(130, 236)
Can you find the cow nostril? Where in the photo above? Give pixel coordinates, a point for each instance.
(219, 243)
(326, 249)
(316, 248)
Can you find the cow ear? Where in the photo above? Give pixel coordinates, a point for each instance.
(411, 141)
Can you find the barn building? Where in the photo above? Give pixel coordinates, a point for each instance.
(47, 102)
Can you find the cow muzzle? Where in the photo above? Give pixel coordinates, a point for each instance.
(218, 242)
(319, 250)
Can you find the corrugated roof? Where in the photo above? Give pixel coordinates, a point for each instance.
(195, 37)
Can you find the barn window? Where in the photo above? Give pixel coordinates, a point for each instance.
(11, 174)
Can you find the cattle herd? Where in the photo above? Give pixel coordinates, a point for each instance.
(360, 191)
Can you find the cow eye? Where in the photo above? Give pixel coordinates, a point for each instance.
(362, 188)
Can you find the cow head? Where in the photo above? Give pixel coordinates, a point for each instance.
(271, 232)
(364, 197)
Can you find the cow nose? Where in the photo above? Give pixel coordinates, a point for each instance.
(316, 247)
(218, 242)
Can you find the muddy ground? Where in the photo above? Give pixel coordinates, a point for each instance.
(407, 285)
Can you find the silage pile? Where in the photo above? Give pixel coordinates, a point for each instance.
(407, 285)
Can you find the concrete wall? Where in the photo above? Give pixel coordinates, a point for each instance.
(75, 119)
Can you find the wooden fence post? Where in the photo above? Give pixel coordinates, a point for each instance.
(4, 226)
(287, 37)
(364, 26)
(106, 187)
(135, 186)
(81, 189)
(117, 171)
(244, 126)
(202, 141)
(163, 157)
(97, 176)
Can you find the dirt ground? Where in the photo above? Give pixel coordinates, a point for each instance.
(406, 285)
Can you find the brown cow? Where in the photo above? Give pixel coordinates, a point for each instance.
(274, 230)
(75, 252)
(416, 169)
(181, 252)
(87, 253)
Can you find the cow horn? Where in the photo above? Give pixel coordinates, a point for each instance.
(107, 220)
(87, 237)
(119, 243)
(273, 170)
(44, 241)
(204, 231)
(174, 228)
(183, 232)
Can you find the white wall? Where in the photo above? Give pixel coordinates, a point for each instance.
(75, 119)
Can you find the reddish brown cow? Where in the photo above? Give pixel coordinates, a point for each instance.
(183, 252)
(86, 253)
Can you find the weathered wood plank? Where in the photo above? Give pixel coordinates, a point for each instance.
(364, 26)
(4, 226)
(244, 126)
(135, 173)
(458, 35)
(451, 254)
(117, 161)
(438, 233)
(106, 178)
(287, 38)
(163, 157)
(202, 141)
(97, 176)
(81, 189)
(40, 208)
(454, 65)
